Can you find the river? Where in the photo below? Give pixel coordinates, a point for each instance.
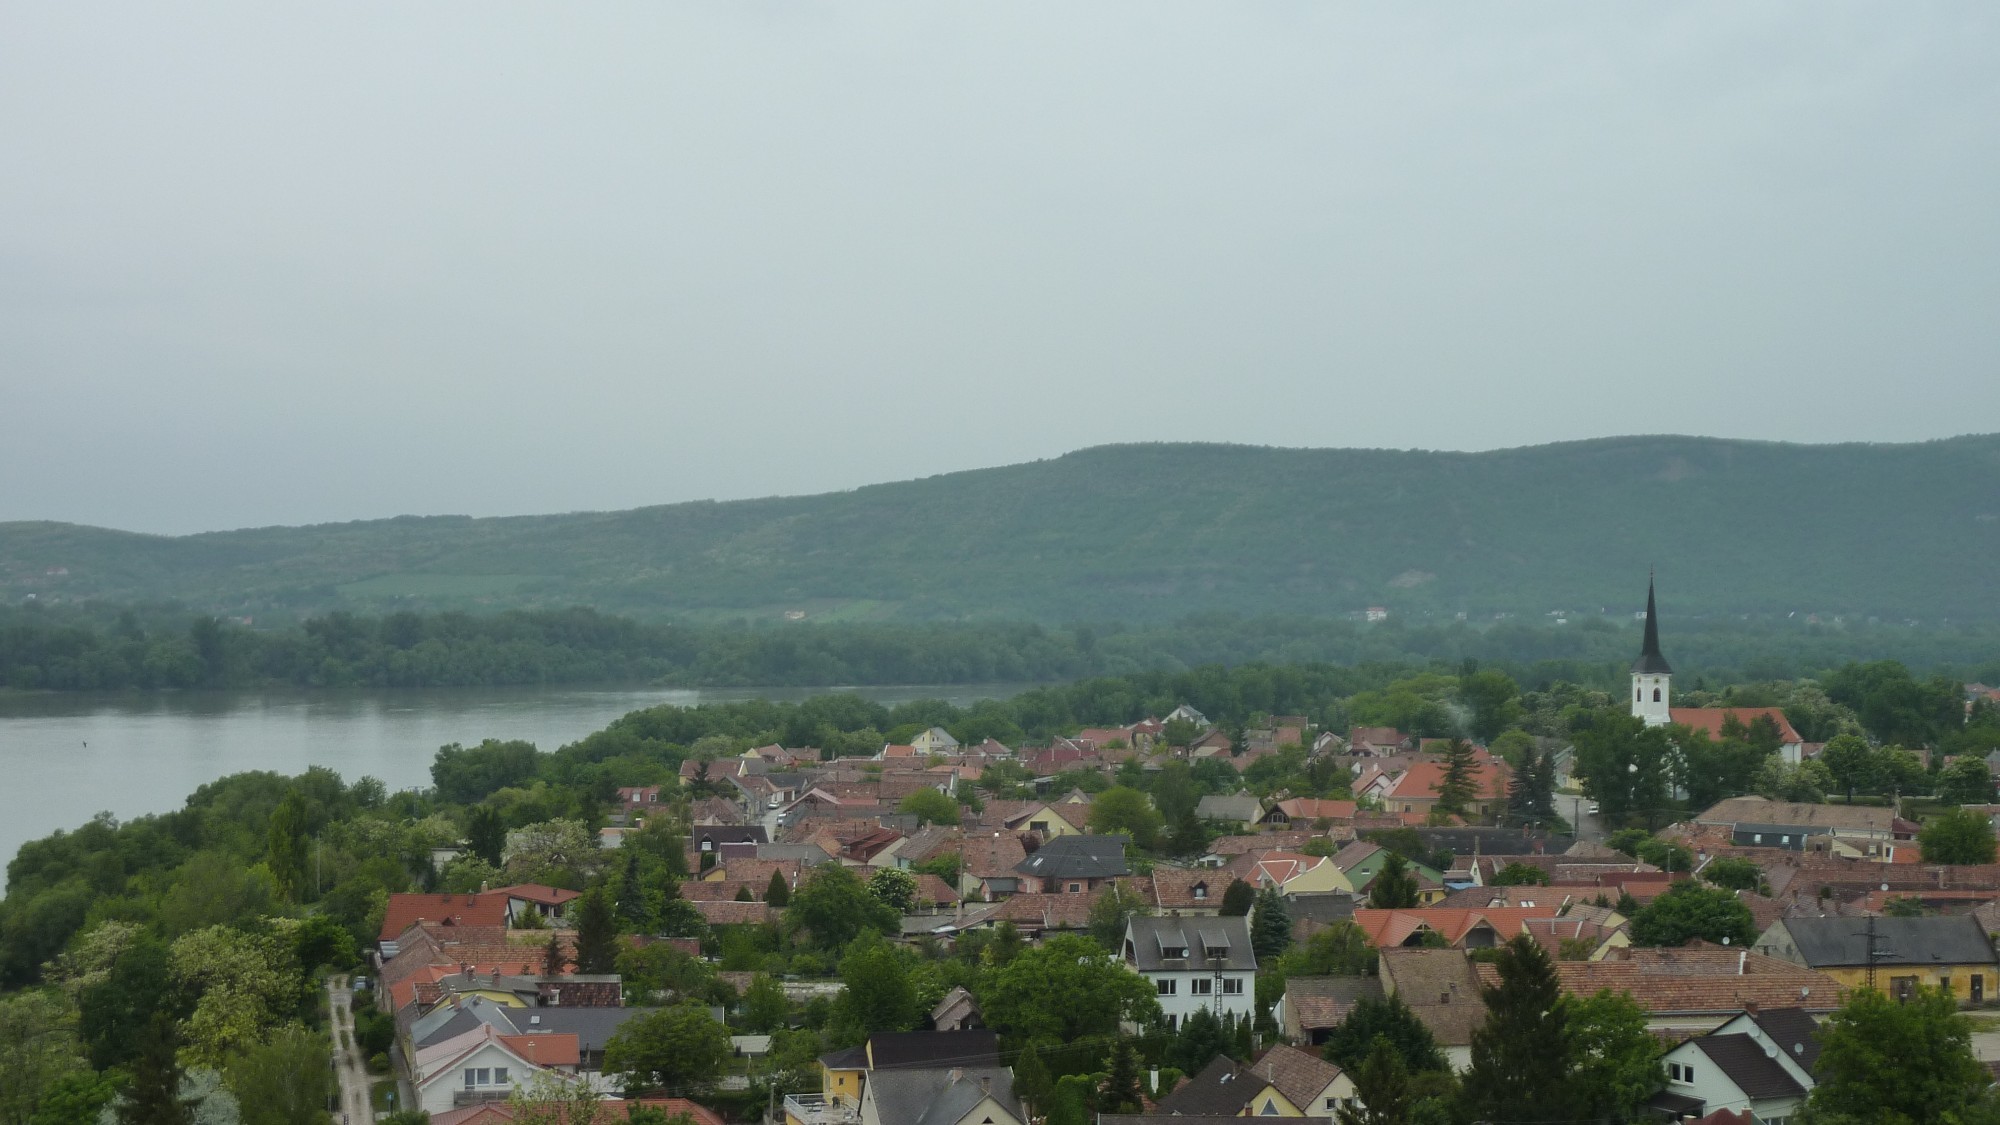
(64, 758)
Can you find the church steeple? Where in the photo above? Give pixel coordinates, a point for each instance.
(1652, 677)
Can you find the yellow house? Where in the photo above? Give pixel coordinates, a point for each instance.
(1048, 820)
(1893, 955)
(942, 1058)
(1283, 1082)
(1295, 873)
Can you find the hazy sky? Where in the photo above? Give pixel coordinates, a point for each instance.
(283, 263)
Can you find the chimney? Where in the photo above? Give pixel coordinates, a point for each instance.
(1750, 1007)
(1742, 960)
(986, 1084)
(956, 1074)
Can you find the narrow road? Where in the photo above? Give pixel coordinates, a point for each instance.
(348, 1065)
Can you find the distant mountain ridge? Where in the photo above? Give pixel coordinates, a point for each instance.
(1156, 532)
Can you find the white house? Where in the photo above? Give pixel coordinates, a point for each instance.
(1758, 1062)
(485, 1065)
(936, 740)
(1195, 963)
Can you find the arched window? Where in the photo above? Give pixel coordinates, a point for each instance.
(1656, 695)
(1638, 696)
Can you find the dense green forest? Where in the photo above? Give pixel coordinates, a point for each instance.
(99, 648)
(1153, 533)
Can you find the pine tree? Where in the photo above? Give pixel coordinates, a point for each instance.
(1031, 1079)
(1456, 790)
(1270, 926)
(777, 893)
(635, 913)
(553, 961)
(485, 834)
(1237, 899)
(743, 894)
(153, 1096)
(1521, 1054)
(285, 851)
(1200, 1039)
(596, 933)
(1395, 885)
(1381, 1088)
(1121, 1085)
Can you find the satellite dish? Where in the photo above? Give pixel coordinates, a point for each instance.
(1770, 1052)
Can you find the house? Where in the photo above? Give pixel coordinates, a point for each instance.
(936, 740)
(1188, 714)
(550, 902)
(1441, 988)
(1714, 721)
(1760, 1063)
(1308, 811)
(1314, 1006)
(638, 798)
(1182, 891)
(1073, 865)
(1374, 742)
(912, 1078)
(1361, 862)
(485, 1065)
(947, 1095)
(1234, 808)
(1853, 831)
(1284, 1081)
(988, 868)
(1212, 743)
(1290, 872)
(1195, 963)
(1951, 951)
(592, 1027)
(1416, 790)
(608, 1111)
(1697, 987)
(1442, 926)
(958, 1011)
(489, 908)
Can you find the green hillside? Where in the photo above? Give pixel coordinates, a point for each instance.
(1156, 532)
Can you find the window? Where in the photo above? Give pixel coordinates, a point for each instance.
(1332, 1103)
(1168, 987)
(499, 1076)
(1201, 987)
(1636, 697)
(1075, 887)
(1041, 826)
(1232, 986)
(1656, 695)
(470, 1082)
(1200, 891)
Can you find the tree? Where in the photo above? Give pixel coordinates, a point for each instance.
(1457, 787)
(777, 892)
(1690, 910)
(677, 1048)
(116, 1011)
(559, 852)
(77, 1098)
(1237, 899)
(930, 807)
(1492, 697)
(635, 906)
(1851, 761)
(1270, 925)
(1175, 793)
(1624, 765)
(1615, 1061)
(245, 986)
(38, 1048)
(1520, 1055)
(1386, 1019)
(1394, 886)
(285, 845)
(1201, 1037)
(1957, 836)
(1897, 1063)
(1112, 912)
(596, 933)
(1381, 1088)
(1031, 1079)
(1120, 1093)
(765, 1008)
(880, 992)
(1121, 810)
(153, 1096)
(553, 961)
(1521, 875)
(834, 907)
(896, 889)
(1734, 874)
(1531, 790)
(284, 1080)
(1966, 781)
(1064, 990)
(485, 833)
(1340, 949)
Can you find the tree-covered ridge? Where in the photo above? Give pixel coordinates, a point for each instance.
(93, 647)
(1152, 533)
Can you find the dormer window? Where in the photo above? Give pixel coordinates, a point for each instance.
(1218, 952)
(1200, 891)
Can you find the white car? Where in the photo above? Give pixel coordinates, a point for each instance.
(1593, 808)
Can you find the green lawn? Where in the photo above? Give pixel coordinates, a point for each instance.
(379, 1094)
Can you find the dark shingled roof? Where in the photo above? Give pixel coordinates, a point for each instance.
(1218, 1091)
(894, 1049)
(1742, 1058)
(1949, 939)
(1077, 857)
(933, 1096)
(1794, 1031)
(1149, 936)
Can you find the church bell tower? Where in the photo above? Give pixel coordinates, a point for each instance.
(1652, 678)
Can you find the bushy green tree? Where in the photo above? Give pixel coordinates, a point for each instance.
(284, 1080)
(1688, 910)
(1614, 1060)
(833, 907)
(930, 807)
(895, 889)
(1966, 781)
(1064, 990)
(1894, 1063)
(1381, 1088)
(1520, 874)
(1237, 899)
(1733, 873)
(38, 1047)
(1124, 811)
(1957, 836)
(1351, 1040)
(679, 1048)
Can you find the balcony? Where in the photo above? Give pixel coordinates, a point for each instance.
(818, 1109)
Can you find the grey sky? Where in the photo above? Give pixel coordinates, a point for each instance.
(284, 264)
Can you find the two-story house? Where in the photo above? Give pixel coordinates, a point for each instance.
(1195, 963)
(1893, 954)
(1759, 1063)
(1073, 865)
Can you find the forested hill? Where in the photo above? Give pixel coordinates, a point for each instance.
(1157, 532)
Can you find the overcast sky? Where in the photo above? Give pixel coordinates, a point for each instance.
(284, 264)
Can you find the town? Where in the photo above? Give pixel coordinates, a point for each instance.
(1501, 906)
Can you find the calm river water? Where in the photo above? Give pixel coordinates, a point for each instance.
(64, 758)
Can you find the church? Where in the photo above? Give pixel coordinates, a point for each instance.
(1652, 696)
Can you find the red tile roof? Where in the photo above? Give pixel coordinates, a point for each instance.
(1711, 719)
(1424, 779)
(406, 910)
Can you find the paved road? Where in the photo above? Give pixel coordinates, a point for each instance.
(1575, 809)
(348, 1065)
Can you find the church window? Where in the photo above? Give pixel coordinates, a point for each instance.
(1656, 695)
(1638, 696)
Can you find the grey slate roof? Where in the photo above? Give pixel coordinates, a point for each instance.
(1950, 939)
(1148, 937)
(1077, 857)
(893, 1050)
(592, 1026)
(1794, 1031)
(1219, 1090)
(1743, 1060)
(933, 1096)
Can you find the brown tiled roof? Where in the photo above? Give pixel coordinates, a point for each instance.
(1173, 887)
(1699, 978)
(1322, 1002)
(1297, 1075)
(729, 913)
(406, 910)
(1440, 986)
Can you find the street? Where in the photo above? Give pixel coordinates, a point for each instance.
(348, 1065)
(1574, 808)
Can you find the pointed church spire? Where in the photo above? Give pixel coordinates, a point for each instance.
(1650, 660)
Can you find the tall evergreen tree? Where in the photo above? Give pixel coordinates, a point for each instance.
(1381, 1088)
(1270, 925)
(1394, 886)
(1237, 899)
(1031, 1080)
(485, 833)
(1456, 789)
(1121, 1085)
(153, 1096)
(777, 892)
(1520, 1055)
(553, 961)
(635, 909)
(285, 850)
(596, 933)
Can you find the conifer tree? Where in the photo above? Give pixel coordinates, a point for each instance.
(1270, 925)
(1031, 1079)
(1121, 1086)
(553, 961)
(1520, 1055)
(1381, 1088)
(743, 894)
(635, 913)
(153, 1096)
(596, 933)
(777, 893)
(485, 833)
(1395, 885)
(1456, 789)
(1237, 899)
